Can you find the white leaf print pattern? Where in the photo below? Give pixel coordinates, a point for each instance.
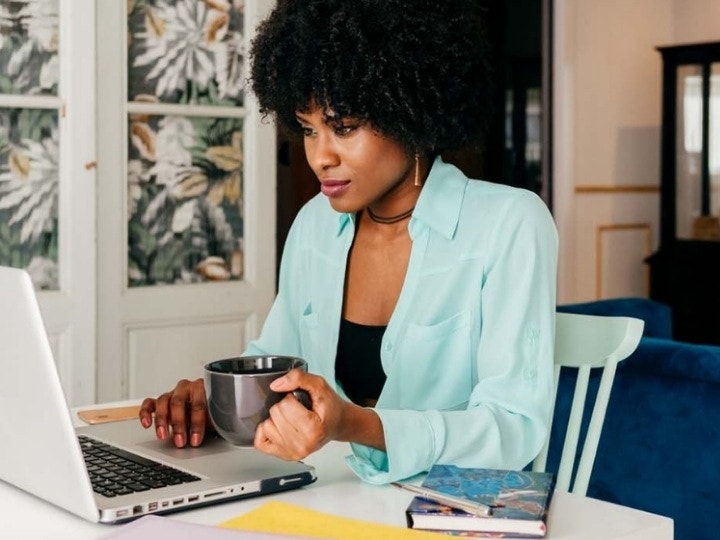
(182, 43)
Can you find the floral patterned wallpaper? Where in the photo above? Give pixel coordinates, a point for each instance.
(186, 51)
(185, 172)
(29, 37)
(185, 182)
(184, 199)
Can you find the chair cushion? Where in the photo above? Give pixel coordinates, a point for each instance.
(657, 316)
(676, 359)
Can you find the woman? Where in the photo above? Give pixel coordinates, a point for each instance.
(423, 301)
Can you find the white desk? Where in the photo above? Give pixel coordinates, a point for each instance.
(337, 491)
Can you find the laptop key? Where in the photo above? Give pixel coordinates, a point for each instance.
(153, 483)
(188, 478)
(114, 471)
(136, 486)
(172, 481)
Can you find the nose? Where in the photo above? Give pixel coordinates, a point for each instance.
(321, 153)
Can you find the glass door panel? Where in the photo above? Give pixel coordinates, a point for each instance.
(29, 193)
(186, 76)
(184, 199)
(29, 138)
(186, 51)
(29, 42)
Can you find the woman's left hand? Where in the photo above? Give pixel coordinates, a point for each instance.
(293, 432)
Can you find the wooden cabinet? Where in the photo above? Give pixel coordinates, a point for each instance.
(685, 271)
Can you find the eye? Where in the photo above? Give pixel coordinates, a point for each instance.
(307, 131)
(305, 127)
(344, 129)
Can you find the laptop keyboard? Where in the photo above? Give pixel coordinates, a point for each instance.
(116, 472)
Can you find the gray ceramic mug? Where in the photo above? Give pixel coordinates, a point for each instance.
(239, 396)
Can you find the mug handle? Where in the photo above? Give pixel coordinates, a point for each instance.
(303, 397)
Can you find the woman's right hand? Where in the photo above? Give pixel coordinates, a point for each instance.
(182, 413)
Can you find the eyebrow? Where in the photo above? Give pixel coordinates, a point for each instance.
(327, 119)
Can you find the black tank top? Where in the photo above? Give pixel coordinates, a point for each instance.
(357, 365)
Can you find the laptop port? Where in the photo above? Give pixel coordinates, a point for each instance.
(152, 506)
(121, 513)
(177, 501)
(137, 509)
(193, 498)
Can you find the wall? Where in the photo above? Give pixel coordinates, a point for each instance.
(695, 21)
(607, 78)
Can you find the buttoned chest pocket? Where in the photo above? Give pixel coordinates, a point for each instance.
(435, 363)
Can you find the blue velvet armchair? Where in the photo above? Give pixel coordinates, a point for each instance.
(660, 446)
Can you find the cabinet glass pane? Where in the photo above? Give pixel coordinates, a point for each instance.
(29, 193)
(714, 141)
(185, 222)
(697, 194)
(186, 51)
(688, 150)
(29, 38)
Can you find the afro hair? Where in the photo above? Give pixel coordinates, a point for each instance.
(416, 71)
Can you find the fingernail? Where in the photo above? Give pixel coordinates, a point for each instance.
(277, 383)
(162, 433)
(179, 440)
(145, 422)
(195, 439)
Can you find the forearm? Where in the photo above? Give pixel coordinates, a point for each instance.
(471, 438)
(361, 425)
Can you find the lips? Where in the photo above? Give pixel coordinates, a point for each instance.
(334, 188)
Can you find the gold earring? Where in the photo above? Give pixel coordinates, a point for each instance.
(417, 170)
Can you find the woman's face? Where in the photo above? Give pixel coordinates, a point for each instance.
(356, 165)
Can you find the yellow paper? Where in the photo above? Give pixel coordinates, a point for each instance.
(283, 518)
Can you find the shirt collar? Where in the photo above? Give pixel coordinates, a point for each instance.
(438, 206)
(440, 200)
(345, 220)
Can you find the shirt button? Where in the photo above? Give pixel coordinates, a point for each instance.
(388, 346)
(529, 374)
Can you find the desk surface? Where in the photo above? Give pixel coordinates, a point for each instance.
(337, 491)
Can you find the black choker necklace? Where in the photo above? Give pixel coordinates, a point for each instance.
(391, 219)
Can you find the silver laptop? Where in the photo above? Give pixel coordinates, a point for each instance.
(43, 454)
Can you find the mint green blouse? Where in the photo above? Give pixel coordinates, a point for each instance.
(468, 351)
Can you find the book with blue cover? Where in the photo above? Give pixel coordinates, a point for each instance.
(519, 501)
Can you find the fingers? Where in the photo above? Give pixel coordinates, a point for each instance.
(292, 432)
(187, 406)
(289, 381)
(178, 420)
(182, 412)
(198, 415)
(161, 416)
(269, 440)
(146, 411)
(299, 380)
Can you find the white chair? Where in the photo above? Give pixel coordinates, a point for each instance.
(585, 342)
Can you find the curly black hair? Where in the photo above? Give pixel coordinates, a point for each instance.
(417, 71)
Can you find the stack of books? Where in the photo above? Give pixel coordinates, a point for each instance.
(494, 502)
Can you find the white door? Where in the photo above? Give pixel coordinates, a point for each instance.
(186, 192)
(47, 176)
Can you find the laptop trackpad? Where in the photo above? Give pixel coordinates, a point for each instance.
(212, 444)
(128, 434)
